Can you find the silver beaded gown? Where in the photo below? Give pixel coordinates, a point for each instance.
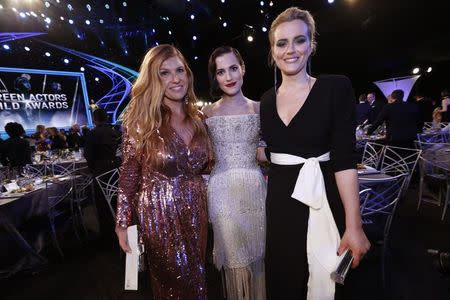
(236, 204)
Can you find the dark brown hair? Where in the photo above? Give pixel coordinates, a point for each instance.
(215, 90)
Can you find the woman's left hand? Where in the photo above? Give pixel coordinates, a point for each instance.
(354, 239)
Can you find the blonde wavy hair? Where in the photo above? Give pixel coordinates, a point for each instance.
(147, 113)
(288, 15)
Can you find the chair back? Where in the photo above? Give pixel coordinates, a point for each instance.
(435, 137)
(398, 161)
(382, 199)
(372, 155)
(109, 184)
(64, 169)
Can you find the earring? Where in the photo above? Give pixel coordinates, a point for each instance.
(186, 100)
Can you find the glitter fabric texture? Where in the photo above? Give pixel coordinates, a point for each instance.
(170, 202)
(236, 204)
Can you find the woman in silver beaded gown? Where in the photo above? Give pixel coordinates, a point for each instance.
(165, 150)
(236, 188)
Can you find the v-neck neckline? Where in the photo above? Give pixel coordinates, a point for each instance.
(299, 110)
(181, 138)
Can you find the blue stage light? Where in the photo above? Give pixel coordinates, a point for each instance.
(82, 69)
(66, 61)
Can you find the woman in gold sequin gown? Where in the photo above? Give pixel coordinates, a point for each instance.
(165, 150)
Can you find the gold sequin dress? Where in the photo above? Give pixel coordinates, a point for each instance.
(170, 202)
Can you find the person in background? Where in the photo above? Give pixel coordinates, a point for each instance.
(376, 106)
(57, 140)
(40, 143)
(15, 151)
(445, 110)
(362, 110)
(100, 152)
(402, 121)
(75, 139)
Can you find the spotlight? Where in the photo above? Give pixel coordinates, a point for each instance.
(70, 21)
(33, 14)
(192, 17)
(120, 19)
(66, 61)
(250, 38)
(47, 54)
(153, 30)
(1, 6)
(261, 3)
(126, 52)
(124, 4)
(23, 15)
(62, 18)
(88, 22)
(42, 15)
(47, 4)
(88, 6)
(28, 14)
(101, 21)
(69, 7)
(196, 57)
(271, 3)
(97, 79)
(194, 37)
(79, 36)
(57, 1)
(14, 9)
(223, 1)
(330, 1)
(107, 6)
(82, 69)
(224, 24)
(429, 69)
(264, 29)
(27, 48)
(170, 32)
(416, 70)
(48, 20)
(6, 47)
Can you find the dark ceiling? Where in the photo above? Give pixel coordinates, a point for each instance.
(365, 40)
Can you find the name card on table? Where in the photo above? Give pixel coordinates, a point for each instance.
(11, 186)
(132, 260)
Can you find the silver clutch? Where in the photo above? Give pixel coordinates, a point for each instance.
(342, 269)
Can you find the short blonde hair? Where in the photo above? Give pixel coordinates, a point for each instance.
(291, 14)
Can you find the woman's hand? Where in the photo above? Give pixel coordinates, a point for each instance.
(261, 155)
(123, 238)
(354, 239)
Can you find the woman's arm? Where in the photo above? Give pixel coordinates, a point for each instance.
(344, 159)
(129, 183)
(354, 237)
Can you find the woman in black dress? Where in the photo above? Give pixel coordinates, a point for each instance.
(309, 125)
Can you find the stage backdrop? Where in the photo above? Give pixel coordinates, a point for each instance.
(52, 98)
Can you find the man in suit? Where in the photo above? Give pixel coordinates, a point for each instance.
(402, 121)
(362, 110)
(100, 152)
(376, 106)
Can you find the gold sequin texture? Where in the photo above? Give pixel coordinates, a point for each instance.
(170, 202)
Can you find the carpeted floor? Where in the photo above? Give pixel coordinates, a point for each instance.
(95, 270)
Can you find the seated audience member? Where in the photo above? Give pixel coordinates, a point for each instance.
(75, 139)
(402, 121)
(445, 110)
(40, 140)
(57, 140)
(16, 151)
